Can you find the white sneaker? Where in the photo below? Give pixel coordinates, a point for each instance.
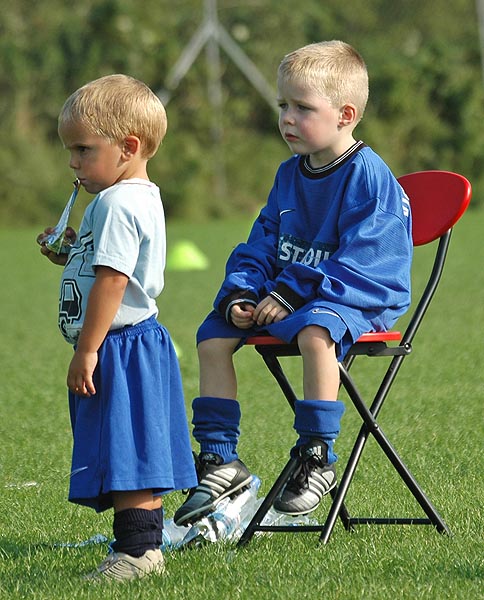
(312, 479)
(119, 566)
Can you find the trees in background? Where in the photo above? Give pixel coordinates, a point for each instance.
(426, 91)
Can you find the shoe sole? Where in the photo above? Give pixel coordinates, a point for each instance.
(307, 511)
(112, 572)
(203, 511)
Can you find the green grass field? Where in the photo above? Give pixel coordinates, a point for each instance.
(434, 417)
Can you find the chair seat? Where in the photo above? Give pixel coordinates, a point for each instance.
(372, 336)
(380, 336)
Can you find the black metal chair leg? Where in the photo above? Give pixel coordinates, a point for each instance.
(370, 425)
(266, 504)
(338, 500)
(275, 368)
(411, 482)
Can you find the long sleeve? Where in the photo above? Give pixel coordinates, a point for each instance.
(253, 264)
(341, 235)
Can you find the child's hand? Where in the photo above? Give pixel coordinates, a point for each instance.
(269, 311)
(241, 315)
(58, 259)
(79, 376)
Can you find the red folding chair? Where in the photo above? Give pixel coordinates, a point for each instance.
(438, 199)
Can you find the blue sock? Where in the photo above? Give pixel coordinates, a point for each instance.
(216, 426)
(318, 419)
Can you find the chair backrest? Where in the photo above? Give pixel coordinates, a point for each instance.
(438, 199)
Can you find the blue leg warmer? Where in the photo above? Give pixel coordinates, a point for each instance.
(318, 419)
(216, 426)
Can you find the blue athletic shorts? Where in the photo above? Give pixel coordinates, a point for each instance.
(313, 313)
(133, 433)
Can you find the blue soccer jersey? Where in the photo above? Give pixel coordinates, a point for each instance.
(336, 238)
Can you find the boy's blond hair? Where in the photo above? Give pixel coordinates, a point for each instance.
(115, 107)
(333, 69)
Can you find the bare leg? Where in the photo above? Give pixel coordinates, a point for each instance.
(217, 373)
(136, 499)
(320, 367)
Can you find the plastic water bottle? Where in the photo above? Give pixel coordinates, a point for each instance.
(232, 518)
(272, 517)
(173, 535)
(229, 519)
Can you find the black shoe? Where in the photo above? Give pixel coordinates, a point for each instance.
(216, 482)
(312, 479)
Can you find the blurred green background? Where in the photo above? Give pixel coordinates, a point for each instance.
(222, 147)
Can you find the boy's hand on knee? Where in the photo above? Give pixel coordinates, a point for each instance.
(269, 311)
(241, 315)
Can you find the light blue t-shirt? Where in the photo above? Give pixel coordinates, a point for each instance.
(123, 228)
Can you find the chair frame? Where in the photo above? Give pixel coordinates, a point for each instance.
(370, 345)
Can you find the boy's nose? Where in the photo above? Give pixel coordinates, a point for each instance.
(288, 117)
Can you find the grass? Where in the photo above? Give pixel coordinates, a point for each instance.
(434, 417)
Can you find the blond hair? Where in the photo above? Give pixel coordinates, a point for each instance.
(332, 69)
(115, 107)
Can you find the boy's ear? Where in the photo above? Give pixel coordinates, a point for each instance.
(347, 115)
(131, 145)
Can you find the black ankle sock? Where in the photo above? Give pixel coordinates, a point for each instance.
(159, 531)
(137, 530)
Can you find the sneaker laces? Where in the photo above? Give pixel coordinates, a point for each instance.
(201, 460)
(310, 457)
(208, 458)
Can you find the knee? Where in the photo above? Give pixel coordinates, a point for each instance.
(314, 339)
(215, 349)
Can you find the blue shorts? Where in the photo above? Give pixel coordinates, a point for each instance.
(313, 313)
(133, 433)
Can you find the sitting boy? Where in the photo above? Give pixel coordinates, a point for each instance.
(327, 259)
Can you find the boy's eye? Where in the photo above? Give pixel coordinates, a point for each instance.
(301, 107)
(82, 149)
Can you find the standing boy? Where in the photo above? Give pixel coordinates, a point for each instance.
(131, 439)
(327, 259)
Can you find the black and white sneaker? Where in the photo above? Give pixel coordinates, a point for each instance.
(216, 481)
(312, 479)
